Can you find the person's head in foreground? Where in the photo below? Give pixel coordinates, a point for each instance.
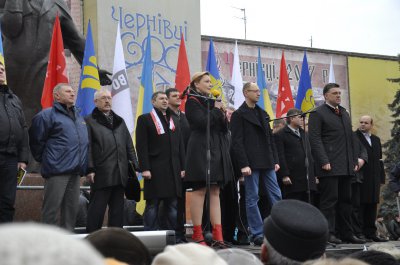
(188, 254)
(346, 261)
(387, 247)
(294, 232)
(121, 245)
(33, 244)
(237, 256)
(374, 257)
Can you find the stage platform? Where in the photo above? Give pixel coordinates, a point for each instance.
(156, 241)
(337, 251)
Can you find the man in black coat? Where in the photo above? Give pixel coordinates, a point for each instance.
(161, 154)
(174, 103)
(110, 149)
(356, 182)
(374, 176)
(14, 150)
(331, 139)
(292, 145)
(255, 153)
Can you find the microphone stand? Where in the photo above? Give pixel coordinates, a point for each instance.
(207, 232)
(305, 142)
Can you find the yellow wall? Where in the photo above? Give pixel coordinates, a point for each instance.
(90, 12)
(370, 92)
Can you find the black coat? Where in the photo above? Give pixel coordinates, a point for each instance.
(360, 153)
(331, 139)
(13, 129)
(372, 171)
(196, 159)
(185, 127)
(163, 155)
(110, 149)
(291, 153)
(252, 139)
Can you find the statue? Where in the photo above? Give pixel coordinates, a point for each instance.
(27, 27)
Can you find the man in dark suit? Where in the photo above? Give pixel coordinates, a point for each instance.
(292, 146)
(373, 175)
(255, 153)
(174, 102)
(110, 149)
(161, 153)
(331, 139)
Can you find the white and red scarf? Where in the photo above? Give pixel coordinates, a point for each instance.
(158, 124)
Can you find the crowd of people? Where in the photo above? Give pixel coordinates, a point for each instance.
(249, 167)
(290, 241)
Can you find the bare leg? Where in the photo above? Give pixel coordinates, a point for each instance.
(215, 205)
(196, 205)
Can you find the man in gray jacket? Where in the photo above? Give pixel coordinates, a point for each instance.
(110, 149)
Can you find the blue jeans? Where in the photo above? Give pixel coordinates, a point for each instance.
(150, 218)
(270, 185)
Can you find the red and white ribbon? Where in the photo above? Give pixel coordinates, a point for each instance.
(158, 124)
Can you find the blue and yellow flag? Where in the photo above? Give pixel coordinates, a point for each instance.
(212, 68)
(264, 102)
(2, 51)
(305, 99)
(144, 105)
(90, 81)
(146, 88)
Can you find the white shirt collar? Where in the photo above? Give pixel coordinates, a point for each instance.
(331, 105)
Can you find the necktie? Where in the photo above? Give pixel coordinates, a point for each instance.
(368, 138)
(297, 133)
(337, 111)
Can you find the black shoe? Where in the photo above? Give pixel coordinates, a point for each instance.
(362, 237)
(258, 241)
(334, 240)
(354, 240)
(377, 239)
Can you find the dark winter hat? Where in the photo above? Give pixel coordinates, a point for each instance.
(117, 243)
(297, 230)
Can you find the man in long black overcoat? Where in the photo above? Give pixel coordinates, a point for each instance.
(335, 162)
(374, 176)
(161, 154)
(292, 145)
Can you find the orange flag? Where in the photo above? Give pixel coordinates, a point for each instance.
(182, 78)
(56, 68)
(284, 101)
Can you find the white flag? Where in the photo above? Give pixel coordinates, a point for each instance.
(120, 92)
(331, 73)
(237, 80)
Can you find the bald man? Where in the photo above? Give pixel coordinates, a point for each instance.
(374, 176)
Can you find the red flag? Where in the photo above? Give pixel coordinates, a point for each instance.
(284, 101)
(56, 68)
(182, 78)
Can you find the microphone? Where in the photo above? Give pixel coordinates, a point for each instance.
(185, 92)
(215, 92)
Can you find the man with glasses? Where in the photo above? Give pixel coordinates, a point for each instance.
(293, 145)
(255, 152)
(110, 149)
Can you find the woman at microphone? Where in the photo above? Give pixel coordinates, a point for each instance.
(196, 157)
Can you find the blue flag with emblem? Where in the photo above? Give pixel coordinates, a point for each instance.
(90, 81)
(305, 99)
